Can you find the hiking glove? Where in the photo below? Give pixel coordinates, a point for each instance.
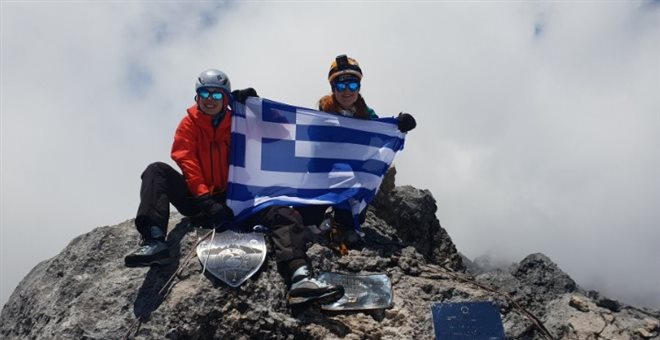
(217, 212)
(242, 95)
(406, 122)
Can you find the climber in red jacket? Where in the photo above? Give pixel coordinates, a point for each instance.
(201, 150)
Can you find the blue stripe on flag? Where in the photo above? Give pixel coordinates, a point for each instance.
(237, 148)
(338, 134)
(280, 194)
(243, 192)
(238, 109)
(280, 155)
(277, 112)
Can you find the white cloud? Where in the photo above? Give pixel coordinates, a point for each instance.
(538, 123)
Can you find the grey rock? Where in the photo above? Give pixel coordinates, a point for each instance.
(486, 263)
(610, 304)
(566, 322)
(85, 292)
(410, 214)
(605, 302)
(578, 304)
(542, 280)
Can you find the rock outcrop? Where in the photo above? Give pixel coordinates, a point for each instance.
(85, 292)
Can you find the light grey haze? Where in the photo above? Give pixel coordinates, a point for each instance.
(538, 122)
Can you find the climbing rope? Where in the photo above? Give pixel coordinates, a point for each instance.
(208, 253)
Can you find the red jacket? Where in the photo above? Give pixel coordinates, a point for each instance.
(202, 151)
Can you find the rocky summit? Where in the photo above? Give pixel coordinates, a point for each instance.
(86, 292)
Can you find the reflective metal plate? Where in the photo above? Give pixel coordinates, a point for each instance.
(361, 292)
(232, 257)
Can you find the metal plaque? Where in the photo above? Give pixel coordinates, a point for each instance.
(361, 292)
(232, 257)
(467, 321)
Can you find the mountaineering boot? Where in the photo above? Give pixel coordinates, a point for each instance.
(305, 289)
(152, 251)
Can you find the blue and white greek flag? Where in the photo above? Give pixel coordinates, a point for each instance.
(293, 156)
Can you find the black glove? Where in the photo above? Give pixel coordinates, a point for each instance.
(217, 212)
(406, 122)
(241, 95)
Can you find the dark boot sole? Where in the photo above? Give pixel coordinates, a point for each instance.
(158, 262)
(326, 298)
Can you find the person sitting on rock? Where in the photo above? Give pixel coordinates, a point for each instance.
(345, 77)
(201, 150)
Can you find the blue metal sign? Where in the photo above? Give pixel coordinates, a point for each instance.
(467, 321)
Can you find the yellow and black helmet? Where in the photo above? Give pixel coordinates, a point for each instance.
(344, 65)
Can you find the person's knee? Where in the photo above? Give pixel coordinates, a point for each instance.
(155, 167)
(287, 216)
(290, 213)
(160, 166)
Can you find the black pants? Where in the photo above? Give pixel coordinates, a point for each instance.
(288, 232)
(314, 214)
(162, 185)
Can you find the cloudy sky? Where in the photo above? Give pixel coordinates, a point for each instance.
(538, 122)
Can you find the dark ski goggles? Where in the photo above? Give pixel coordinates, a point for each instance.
(205, 94)
(350, 85)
